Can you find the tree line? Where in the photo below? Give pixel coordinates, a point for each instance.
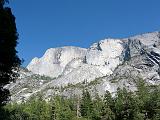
(144, 104)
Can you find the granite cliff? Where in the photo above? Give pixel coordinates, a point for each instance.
(106, 65)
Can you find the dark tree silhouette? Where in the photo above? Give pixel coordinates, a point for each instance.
(9, 61)
(2, 2)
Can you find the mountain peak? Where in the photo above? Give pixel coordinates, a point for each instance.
(105, 65)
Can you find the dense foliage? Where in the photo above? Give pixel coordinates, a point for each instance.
(9, 61)
(125, 105)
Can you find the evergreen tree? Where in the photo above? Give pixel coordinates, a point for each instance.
(86, 105)
(108, 100)
(143, 98)
(152, 105)
(9, 62)
(125, 105)
(97, 106)
(155, 103)
(108, 107)
(2, 2)
(62, 109)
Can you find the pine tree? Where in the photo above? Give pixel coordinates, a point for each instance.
(143, 97)
(152, 105)
(9, 62)
(108, 107)
(86, 105)
(2, 2)
(97, 106)
(125, 105)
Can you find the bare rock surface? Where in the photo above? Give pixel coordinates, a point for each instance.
(106, 65)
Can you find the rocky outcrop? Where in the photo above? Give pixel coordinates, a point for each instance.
(55, 60)
(106, 65)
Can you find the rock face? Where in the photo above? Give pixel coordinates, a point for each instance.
(75, 65)
(55, 60)
(99, 60)
(106, 65)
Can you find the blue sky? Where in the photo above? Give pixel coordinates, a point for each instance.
(43, 24)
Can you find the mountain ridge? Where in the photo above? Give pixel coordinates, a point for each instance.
(105, 65)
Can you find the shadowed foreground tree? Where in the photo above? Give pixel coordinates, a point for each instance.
(9, 61)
